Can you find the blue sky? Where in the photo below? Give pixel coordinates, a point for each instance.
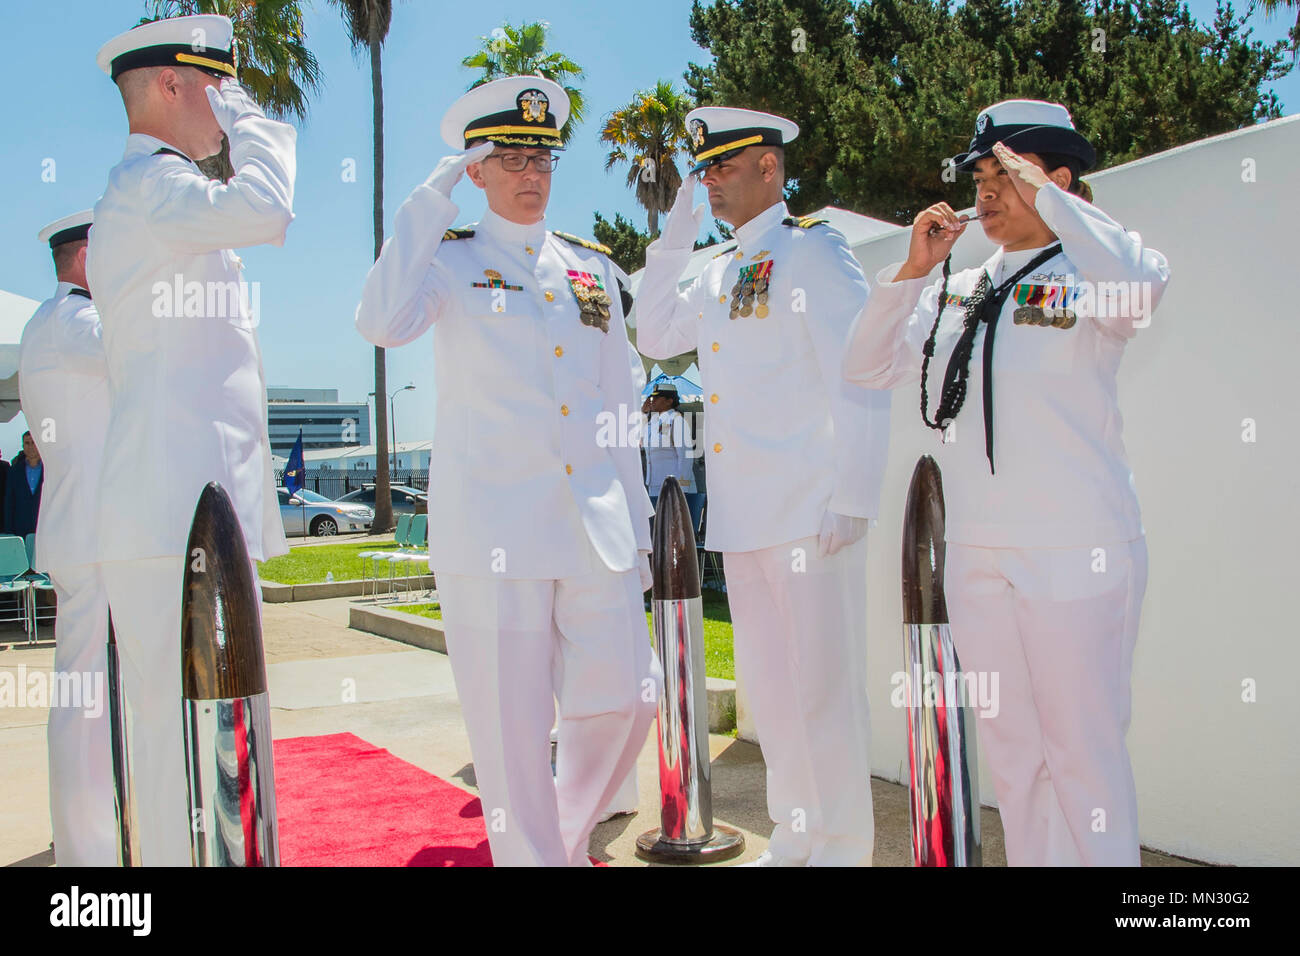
(61, 107)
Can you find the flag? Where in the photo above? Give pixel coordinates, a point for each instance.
(293, 468)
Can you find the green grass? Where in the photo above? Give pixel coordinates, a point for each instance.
(420, 610)
(719, 661)
(308, 565)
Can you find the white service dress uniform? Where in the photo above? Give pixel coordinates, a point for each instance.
(788, 441)
(188, 408)
(1046, 559)
(539, 514)
(63, 380)
(668, 452)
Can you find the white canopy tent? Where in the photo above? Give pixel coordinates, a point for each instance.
(15, 310)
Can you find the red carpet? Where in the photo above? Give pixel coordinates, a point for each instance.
(344, 802)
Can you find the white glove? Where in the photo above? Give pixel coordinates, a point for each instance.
(839, 531)
(450, 168)
(643, 566)
(231, 103)
(682, 227)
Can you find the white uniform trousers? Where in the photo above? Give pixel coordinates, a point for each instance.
(1057, 626)
(800, 625)
(519, 646)
(80, 744)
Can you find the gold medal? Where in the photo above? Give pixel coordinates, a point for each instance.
(746, 310)
(1029, 315)
(733, 313)
(760, 310)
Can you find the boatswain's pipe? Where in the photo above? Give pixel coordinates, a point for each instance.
(227, 713)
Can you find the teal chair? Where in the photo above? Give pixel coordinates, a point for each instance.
(418, 550)
(40, 582)
(13, 583)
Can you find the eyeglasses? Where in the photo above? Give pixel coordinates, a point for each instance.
(515, 162)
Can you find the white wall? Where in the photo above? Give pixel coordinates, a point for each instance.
(1217, 778)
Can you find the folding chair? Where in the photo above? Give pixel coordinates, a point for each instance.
(39, 583)
(13, 552)
(401, 534)
(708, 560)
(419, 545)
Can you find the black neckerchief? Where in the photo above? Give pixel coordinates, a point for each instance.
(983, 305)
(173, 152)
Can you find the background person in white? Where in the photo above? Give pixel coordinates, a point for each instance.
(667, 443)
(63, 380)
(1046, 560)
(792, 484)
(189, 400)
(535, 521)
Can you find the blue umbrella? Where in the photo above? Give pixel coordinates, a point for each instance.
(687, 390)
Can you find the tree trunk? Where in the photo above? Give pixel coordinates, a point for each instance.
(383, 522)
(652, 220)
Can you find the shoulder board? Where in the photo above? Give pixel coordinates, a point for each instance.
(807, 222)
(725, 252)
(458, 234)
(585, 243)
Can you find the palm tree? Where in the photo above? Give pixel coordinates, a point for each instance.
(275, 66)
(1273, 6)
(647, 134)
(521, 51)
(367, 23)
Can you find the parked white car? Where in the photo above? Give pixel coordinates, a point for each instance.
(307, 513)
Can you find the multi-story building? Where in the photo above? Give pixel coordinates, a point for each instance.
(325, 421)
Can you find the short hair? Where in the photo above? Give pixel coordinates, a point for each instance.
(65, 254)
(1054, 161)
(28, 435)
(134, 84)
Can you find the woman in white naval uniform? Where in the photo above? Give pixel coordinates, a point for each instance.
(537, 515)
(1046, 560)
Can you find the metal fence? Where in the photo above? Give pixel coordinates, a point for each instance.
(335, 483)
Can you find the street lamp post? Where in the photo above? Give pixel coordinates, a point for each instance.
(392, 417)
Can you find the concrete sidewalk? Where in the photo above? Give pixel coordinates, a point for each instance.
(326, 678)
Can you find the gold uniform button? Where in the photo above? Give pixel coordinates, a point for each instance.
(716, 346)
(722, 298)
(564, 409)
(559, 350)
(717, 448)
(550, 296)
(714, 398)
(528, 249)
(739, 254)
(568, 469)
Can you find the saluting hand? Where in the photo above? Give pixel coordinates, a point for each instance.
(682, 227)
(447, 173)
(934, 230)
(230, 104)
(1024, 175)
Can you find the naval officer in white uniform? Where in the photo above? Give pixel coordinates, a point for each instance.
(1046, 559)
(63, 381)
(189, 399)
(539, 530)
(793, 483)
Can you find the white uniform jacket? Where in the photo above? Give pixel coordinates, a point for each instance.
(63, 381)
(667, 443)
(788, 438)
(189, 395)
(535, 442)
(1062, 476)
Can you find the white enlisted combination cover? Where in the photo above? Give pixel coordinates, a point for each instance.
(531, 400)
